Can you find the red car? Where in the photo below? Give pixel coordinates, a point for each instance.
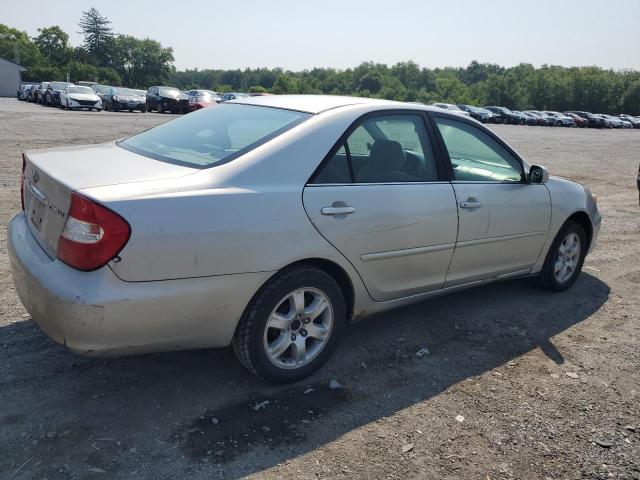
(580, 122)
(201, 99)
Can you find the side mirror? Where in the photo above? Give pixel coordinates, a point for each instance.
(538, 174)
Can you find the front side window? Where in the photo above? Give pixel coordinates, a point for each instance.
(475, 155)
(213, 135)
(382, 149)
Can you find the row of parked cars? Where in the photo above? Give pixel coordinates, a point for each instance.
(93, 96)
(573, 118)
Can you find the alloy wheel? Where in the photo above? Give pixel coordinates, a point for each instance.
(298, 328)
(567, 258)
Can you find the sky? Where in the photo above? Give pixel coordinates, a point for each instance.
(297, 35)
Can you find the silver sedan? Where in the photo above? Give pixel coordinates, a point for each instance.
(269, 223)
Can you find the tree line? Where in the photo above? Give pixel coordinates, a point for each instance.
(521, 87)
(118, 59)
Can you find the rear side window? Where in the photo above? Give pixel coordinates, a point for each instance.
(476, 156)
(382, 149)
(213, 135)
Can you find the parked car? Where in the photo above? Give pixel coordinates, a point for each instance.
(521, 118)
(617, 121)
(452, 108)
(579, 121)
(201, 99)
(532, 120)
(164, 99)
(542, 121)
(481, 114)
(119, 98)
(634, 121)
(40, 91)
(52, 93)
(32, 93)
(503, 115)
(266, 224)
(233, 95)
(550, 121)
(74, 97)
(23, 92)
(561, 119)
(609, 122)
(101, 90)
(594, 120)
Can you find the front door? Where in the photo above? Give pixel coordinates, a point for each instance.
(380, 199)
(504, 220)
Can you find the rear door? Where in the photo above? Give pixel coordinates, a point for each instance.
(504, 220)
(381, 199)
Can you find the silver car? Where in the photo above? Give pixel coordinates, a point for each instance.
(270, 222)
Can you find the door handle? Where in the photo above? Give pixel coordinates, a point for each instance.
(470, 204)
(337, 210)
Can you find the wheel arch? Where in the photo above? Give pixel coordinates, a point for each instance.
(582, 219)
(328, 266)
(337, 273)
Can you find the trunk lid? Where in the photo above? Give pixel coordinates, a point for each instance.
(51, 175)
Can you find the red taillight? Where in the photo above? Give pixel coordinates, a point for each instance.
(24, 166)
(92, 235)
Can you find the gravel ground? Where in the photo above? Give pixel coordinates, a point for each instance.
(518, 382)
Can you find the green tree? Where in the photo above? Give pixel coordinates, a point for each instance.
(141, 63)
(18, 47)
(98, 35)
(631, 99)
(53, 43)
(283, 85)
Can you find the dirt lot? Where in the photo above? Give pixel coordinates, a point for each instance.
(518, 383)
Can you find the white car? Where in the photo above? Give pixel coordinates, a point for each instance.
(75, 96)
(270, 222)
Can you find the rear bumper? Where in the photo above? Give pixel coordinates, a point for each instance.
(96, 313)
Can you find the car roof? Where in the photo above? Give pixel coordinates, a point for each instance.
(319, 103)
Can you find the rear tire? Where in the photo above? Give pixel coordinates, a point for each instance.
(564, 261)
(274, 334)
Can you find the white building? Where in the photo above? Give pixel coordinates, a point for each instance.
(10, 78)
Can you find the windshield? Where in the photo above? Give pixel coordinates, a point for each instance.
(58, 85)
(125, 91)
(173, 92)
(79, 90)
(213, 136)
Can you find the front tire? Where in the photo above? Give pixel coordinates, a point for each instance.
(564, 259)
(291, 326)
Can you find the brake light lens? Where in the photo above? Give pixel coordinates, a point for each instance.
(24, 166)
(93, 234)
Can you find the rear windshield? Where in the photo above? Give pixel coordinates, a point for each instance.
(212, 136)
